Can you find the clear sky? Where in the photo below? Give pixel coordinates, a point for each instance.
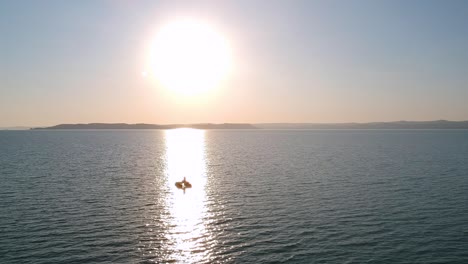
(292, 61)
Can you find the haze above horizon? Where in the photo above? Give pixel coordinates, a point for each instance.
(232, 61)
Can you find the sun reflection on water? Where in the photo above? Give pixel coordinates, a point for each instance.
(185, 157)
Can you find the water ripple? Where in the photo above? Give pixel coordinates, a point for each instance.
(260, 197)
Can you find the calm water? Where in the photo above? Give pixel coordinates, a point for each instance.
(258, 196)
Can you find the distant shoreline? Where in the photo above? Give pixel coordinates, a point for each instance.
(438, 124)
(146, 126)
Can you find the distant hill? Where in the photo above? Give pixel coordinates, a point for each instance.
(148, 126)
(439, 124)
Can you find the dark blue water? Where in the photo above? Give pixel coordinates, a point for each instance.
(258, 196)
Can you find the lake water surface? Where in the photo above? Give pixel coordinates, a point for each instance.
(258, 196)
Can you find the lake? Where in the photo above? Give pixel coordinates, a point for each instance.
(258, 196)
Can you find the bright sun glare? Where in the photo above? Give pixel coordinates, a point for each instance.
(190, 57)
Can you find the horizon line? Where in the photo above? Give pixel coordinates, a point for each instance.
(234, 123)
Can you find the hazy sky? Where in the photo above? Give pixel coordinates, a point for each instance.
(293, 61)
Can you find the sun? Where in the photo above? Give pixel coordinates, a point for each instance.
(190, 57)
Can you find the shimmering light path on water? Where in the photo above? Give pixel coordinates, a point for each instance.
(185, 157)
(258, 196)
